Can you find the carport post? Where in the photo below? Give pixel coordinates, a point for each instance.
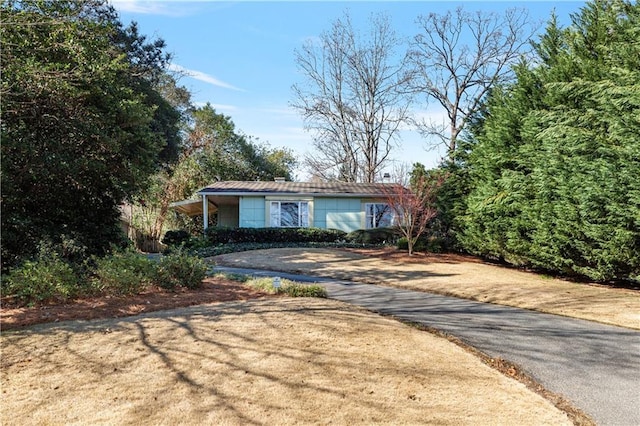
(205, 211)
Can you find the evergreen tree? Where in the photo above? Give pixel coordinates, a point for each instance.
(82, 127)
(556, 162)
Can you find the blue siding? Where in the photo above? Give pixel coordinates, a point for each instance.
(338, 213)
(346, 214)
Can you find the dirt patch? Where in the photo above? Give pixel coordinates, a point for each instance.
(454, 275)
(261, 361)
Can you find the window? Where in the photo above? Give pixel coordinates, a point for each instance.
(378, 215)
(289, 214)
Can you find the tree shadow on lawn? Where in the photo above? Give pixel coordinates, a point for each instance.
(356, 269)
(222, 362)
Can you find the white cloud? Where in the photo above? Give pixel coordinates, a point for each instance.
(199, 75)
(224, 107)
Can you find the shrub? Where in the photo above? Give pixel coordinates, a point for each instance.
(420, 245)
(304, 290)
(287, 287)
(195, 243)
(403, 244)
(47, 278)
(123, 273)
(71, 249)
(262, 284)
(176, 238)
(373, 236)
(424, 244)
(221, 235)
(437, 245)
(180, 269)
(219, 249)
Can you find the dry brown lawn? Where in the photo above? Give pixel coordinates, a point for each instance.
(227, 354)
(454, 275)
(259, 361)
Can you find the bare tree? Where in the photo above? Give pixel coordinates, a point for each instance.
(415, 207)
(353, 100)
(458, 57)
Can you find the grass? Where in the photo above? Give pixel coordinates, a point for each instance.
(284, 361)
(288, 287)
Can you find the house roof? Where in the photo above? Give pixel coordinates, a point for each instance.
(340, 189)
(226, 192)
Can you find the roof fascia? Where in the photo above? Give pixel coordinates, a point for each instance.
(289, 194)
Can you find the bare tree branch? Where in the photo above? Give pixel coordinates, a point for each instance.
(354, 100)
(414, 208)
(456, 73)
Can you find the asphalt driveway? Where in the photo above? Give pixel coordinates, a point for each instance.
(595, 366)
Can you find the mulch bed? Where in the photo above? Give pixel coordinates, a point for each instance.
(214, 289)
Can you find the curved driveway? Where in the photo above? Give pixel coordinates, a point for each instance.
(595, 366)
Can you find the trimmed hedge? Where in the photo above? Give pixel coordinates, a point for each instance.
(221, 235)
(240, 247)
(373, 236)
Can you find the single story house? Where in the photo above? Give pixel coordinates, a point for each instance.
(327, 205)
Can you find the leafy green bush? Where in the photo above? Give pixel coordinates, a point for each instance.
(221, 235)
(290, 288)
(180, 269)
(176, 238)
(304, 290)
(403, 244)
(373, 236)
(424, 244)
(195, 243)
(240, 247)
(47, 278)
(123, 273)
(262, 284)
(437, 245)
(50, 278)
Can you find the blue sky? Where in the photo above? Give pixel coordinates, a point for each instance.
(239, 56)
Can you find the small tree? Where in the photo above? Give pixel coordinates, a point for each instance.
(414, 207)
